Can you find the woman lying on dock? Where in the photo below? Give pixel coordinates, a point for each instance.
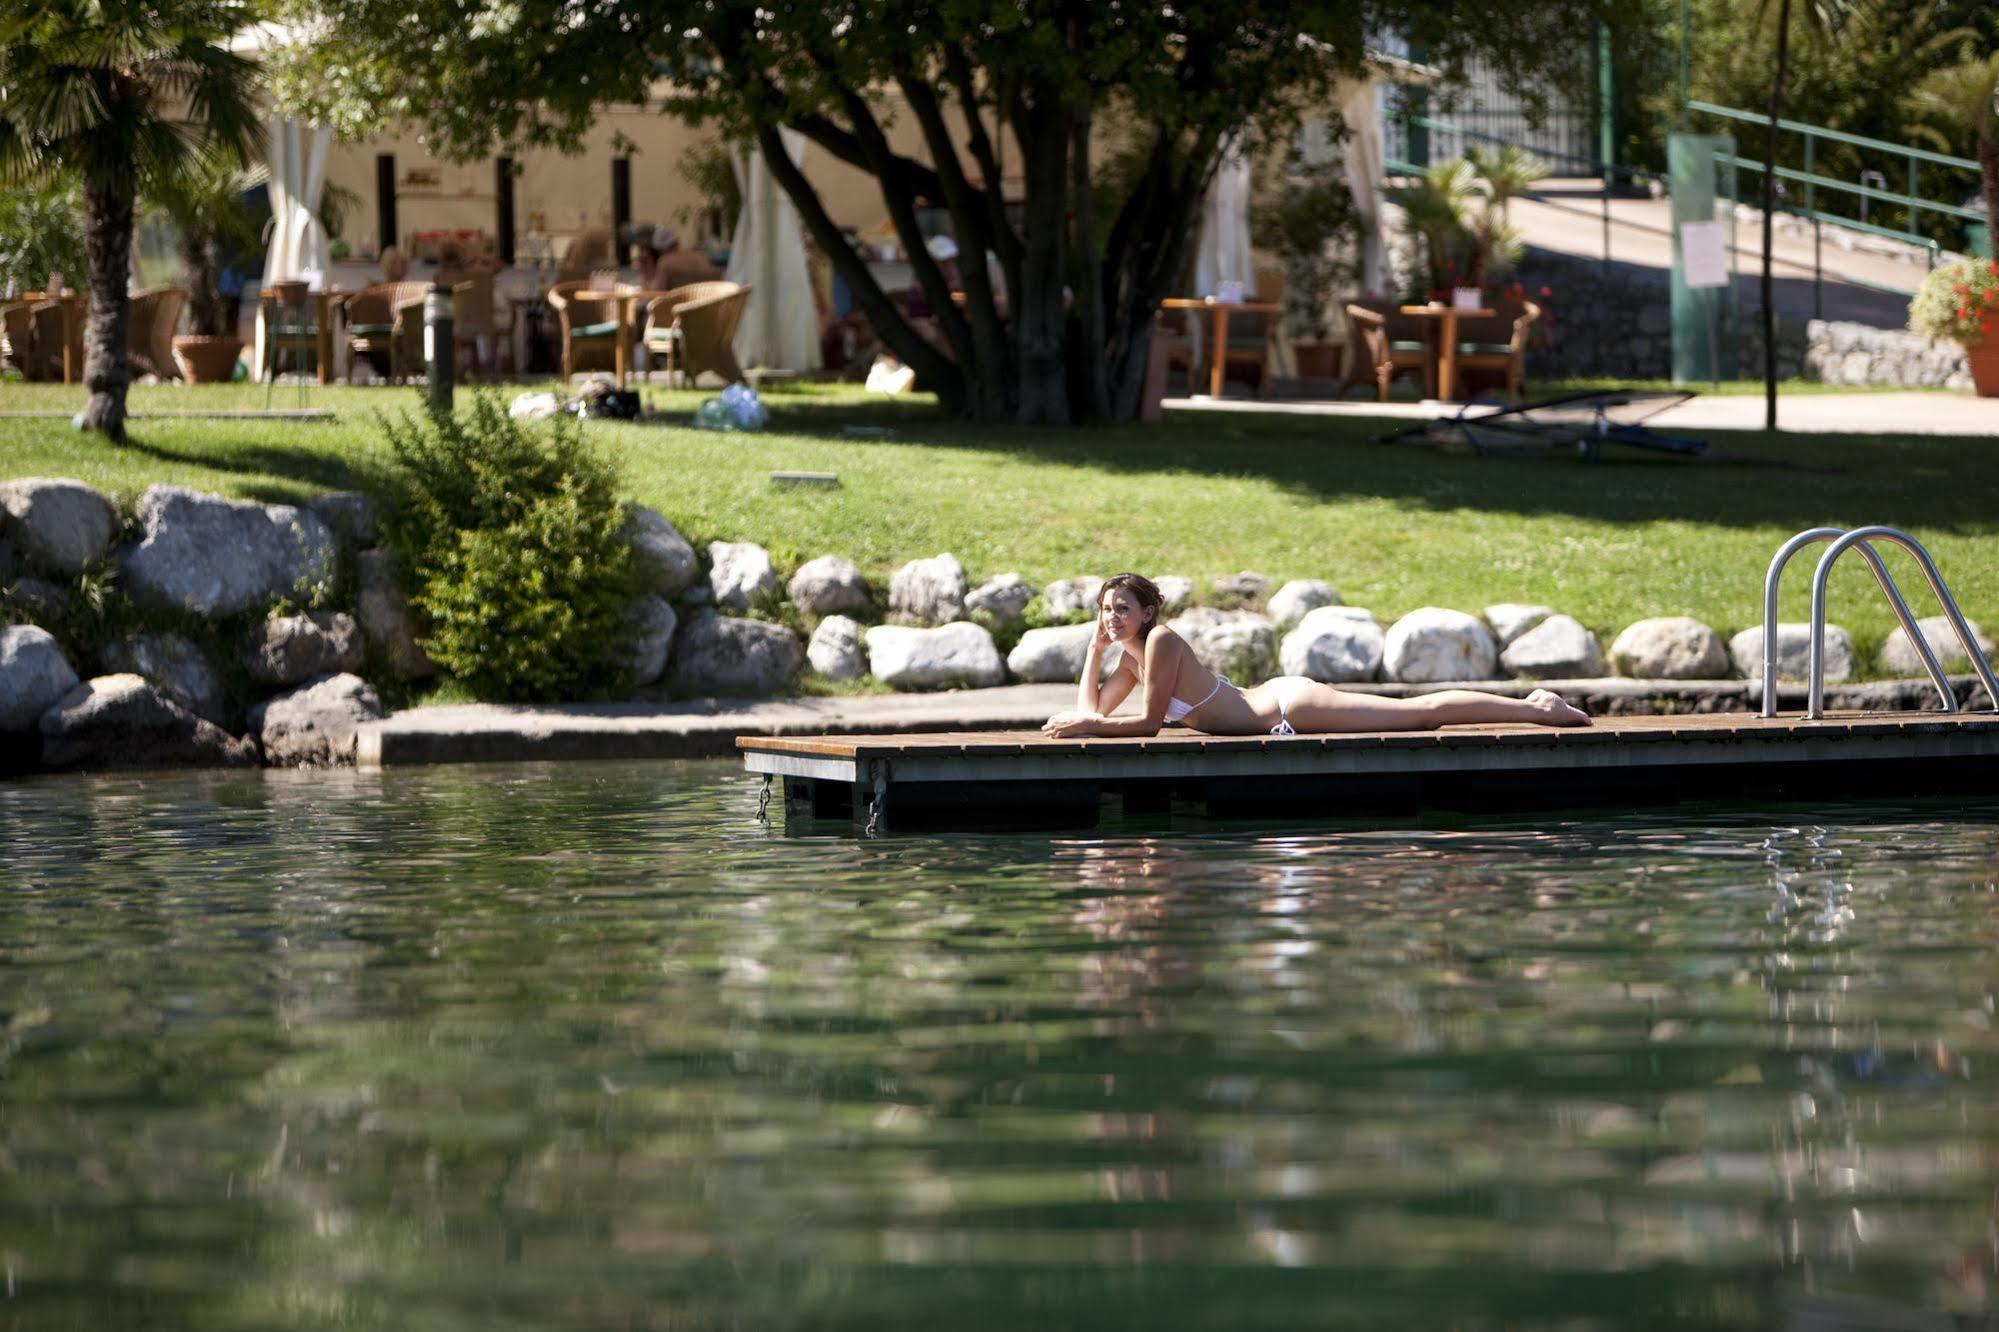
(1178, 688)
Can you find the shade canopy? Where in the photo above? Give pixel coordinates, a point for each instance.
(780, 327)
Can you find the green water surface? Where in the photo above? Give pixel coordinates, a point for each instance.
(586, 1046)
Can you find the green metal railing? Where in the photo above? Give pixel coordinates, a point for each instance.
(1914, 202)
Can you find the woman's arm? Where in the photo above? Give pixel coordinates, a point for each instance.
(1162, 667)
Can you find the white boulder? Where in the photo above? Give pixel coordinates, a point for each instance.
(315, 724)
(650, 622)
(1289, 603)
(291, 649)
(387, 622)
(1052, 655)
(827, 586)
(1336, 644)
(960, 653)
(1433, 644)
(34, 675)
(1072, 596)
(741, 573)
(835, 649)
(1899, 657)
(1794, 653)
(1558, 648)
(1239, 644)
(1004, 597)
(62, 526)
(928, 591)
(1671, 647)
(719, 654)
(664, 559)
(1174, 593)
(120, 721)
(176, 668)
(216, 557)
(1510, 619)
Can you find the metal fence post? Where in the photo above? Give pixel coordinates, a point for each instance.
(438, 346)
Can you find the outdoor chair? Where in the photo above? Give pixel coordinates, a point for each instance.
(1496, 345)
(1382, 343)
(291, 333)
(149, 330)
(587, 328)
(472, 323)
(52, 325)
(1251, 336)
(17, 334)
(693, 327)
(385, 325)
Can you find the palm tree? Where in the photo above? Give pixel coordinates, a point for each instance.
(1437, 206)
(1826, 16)
(127, 94)
(1964, 93)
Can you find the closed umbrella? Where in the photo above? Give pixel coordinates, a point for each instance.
(780, 327)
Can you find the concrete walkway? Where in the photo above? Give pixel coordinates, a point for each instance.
(1916, 413)
(707, 728)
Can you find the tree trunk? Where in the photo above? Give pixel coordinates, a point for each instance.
(1769, 214)
(204, 307)
(1092, 399)
(107, 244)
(1041, 316)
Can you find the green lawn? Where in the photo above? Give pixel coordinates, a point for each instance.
(1392, 527)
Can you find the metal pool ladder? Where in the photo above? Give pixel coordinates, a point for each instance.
(1842, 540)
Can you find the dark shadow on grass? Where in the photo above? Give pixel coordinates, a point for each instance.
(1929, 483)
(309, 471)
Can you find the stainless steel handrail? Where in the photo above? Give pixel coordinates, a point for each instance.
(1888, 589)
(1861, 536)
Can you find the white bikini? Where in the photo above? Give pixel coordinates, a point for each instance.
(1175, 709)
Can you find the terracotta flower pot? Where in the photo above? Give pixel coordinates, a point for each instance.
(205, 360)
(1984, 362)
(1318, 360)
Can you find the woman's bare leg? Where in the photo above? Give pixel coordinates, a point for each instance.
(1314, 708)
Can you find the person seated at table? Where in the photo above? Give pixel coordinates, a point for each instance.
(675, 267)
(1176, 687)
(395, 264)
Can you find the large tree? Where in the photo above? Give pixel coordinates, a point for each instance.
(995, 90)
(124, 94)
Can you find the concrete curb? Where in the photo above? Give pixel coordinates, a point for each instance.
(707, 728)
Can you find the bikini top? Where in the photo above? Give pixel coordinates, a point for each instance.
(1176, 708)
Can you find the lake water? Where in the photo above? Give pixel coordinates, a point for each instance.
(586, 1046)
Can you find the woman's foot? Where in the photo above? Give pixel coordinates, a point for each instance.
(1555, 710)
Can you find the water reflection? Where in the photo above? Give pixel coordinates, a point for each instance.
(588, 1046)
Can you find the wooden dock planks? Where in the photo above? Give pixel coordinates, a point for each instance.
(1619, 757)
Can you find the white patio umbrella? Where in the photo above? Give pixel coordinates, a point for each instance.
(1361, 109)
(1221, 253)
(780, 327)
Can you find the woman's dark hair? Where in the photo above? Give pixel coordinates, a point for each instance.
(1142, 590)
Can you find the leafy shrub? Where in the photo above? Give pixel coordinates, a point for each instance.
(514, 542)
(39, 235)
(1958, 301)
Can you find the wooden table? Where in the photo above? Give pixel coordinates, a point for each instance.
(1447, 354)
(627, 302)
(1219, 312)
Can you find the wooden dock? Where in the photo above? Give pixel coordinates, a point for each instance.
(982, 779)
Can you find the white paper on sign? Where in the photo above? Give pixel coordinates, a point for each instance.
(1704, 254)
(1466, 298)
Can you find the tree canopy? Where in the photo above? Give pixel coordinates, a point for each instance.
(996, 92)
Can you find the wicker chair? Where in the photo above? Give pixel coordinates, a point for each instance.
(17, 333)
(1497, 343)
(54, 325)
(693, 327)
(587, 328)
(1382, 343)
(472, 323)
(149, 330)
(385, 324)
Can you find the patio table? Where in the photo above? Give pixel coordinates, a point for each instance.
(1447, 332)
(1219, 312)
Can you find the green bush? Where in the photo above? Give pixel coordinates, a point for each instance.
(40, 234)
(513, 539)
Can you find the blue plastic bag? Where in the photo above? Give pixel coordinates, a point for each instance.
(737, 407)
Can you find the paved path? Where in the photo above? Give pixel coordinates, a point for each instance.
(1815, 413)
(707, 728)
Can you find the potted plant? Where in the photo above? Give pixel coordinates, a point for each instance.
(1960, 301)
(211, 217)
(1313, 224)
(1460, 209)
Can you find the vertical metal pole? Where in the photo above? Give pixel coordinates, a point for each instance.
(1606, 128)
(1812, 207)
(1686, 58)
(1914, 212)
(437, 346)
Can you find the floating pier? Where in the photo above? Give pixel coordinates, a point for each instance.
(996, 779)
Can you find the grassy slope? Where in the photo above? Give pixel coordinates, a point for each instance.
(1392, 528)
